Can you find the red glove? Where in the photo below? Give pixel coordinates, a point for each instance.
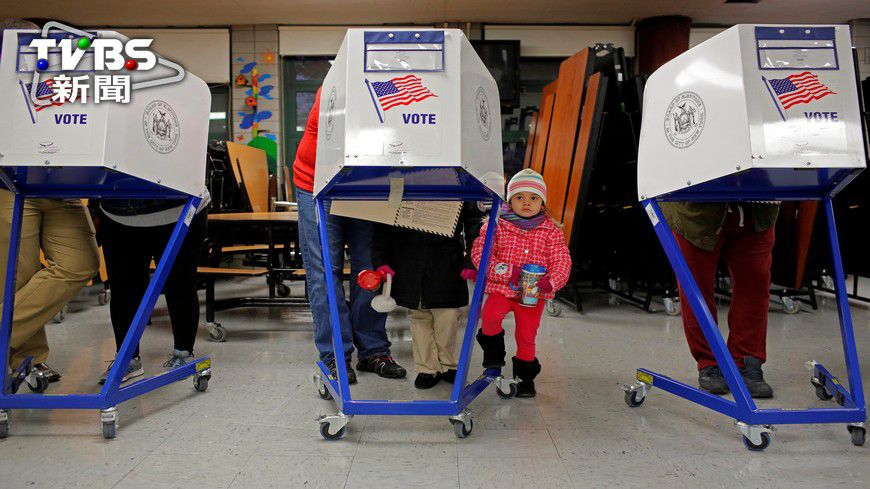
(544, 284)
(514, 282)
(468, 274)
(386, 270)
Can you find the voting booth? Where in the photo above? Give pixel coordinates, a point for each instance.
(756, 113)
(152, 147)
(408, 115)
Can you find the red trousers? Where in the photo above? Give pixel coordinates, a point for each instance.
(748, 254)
(527, 318)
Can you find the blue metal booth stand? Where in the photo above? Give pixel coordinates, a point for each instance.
(119, 153)
(783, 154)
(456, 157)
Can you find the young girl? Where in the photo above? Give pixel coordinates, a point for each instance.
(525, 236)
(429, 278)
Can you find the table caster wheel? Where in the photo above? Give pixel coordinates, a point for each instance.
(329, 435)
(282, 290)
(765, 442)
(858, 433)
(462, 429)
(216, 332)
(200, 383)
(613, 301)
(104, 297)
(672, 307)
(823, 393)
(554, 309)
(36, 383)
(790, 306)
(632, 399)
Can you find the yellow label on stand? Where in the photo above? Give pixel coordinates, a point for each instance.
(200, 366)
(644, 377)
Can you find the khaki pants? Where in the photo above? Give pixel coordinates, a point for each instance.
(434, 334)
(65, 233)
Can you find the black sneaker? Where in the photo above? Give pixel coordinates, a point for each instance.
(427, 381)
(449, 376)
(383, 365)
(351, 375)
(711, 380)
(754, 379)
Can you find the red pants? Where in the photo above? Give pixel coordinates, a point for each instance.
(748, 255)
(527, 318)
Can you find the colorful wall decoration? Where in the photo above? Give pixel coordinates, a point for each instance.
(256, 97)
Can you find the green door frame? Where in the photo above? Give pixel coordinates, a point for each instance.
(289, 88)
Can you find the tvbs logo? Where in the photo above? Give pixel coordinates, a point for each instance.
(109, 54)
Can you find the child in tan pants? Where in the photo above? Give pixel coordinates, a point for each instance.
(429, 273)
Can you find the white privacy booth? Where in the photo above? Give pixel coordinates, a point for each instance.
(756, 113)
(407, 116)
(152, 147)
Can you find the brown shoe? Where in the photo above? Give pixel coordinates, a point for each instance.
(47, 372)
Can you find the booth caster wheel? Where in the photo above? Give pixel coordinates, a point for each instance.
(4, 423)
(104, 297)
(635, 394)
(790, 306)
(322, 391)
(613, 300)
(672, 307)
(109, 418)
(462, 430)
(37, 383)
(632, 400)
(506, 388)
(328, 435)
(765, 442)
(200, 381)
(858, 434)
(755, 437)
(332, 427)
(462, 424)
(216, 332)
(823, 393)
(554, 309)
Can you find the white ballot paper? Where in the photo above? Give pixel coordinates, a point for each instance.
(429, 216)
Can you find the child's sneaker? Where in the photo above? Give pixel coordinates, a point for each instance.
(134, 369)
(178, 359)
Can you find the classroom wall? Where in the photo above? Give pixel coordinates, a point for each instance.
(203, 52)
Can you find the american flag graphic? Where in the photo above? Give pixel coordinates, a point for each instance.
(44, 91)
(404, 90)
(797, 89)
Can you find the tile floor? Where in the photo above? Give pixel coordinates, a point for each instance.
(255, 426)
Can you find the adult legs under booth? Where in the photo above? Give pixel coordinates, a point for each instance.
(150, 147)
(370, 149)
(777, 154)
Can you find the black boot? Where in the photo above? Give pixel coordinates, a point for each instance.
(493, 349)
(526, 372)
